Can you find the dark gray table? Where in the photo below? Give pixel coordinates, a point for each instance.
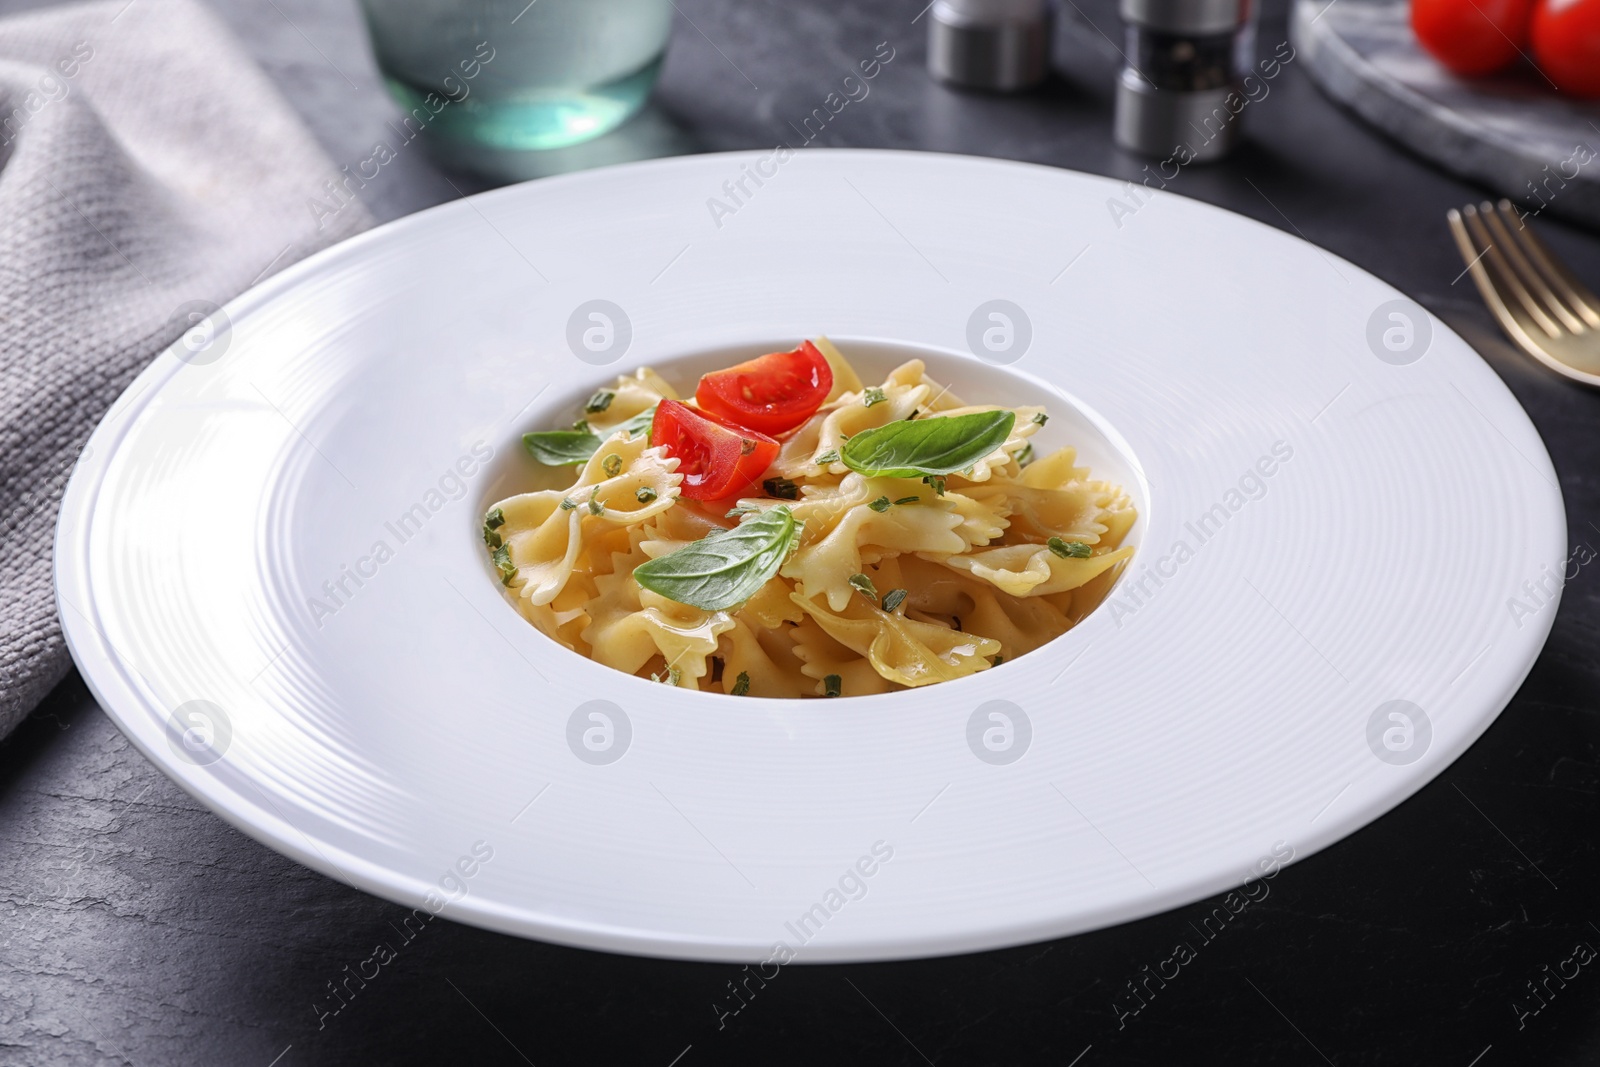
(136, 927)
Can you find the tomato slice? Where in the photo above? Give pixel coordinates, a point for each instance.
(716, 461)
(771, 393)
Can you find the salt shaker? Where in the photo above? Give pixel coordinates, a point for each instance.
(999, 45)
(1186, 58)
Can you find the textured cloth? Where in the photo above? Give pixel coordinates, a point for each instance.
(147, 166)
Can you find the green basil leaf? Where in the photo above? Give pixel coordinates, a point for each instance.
(724, 568)
(927, 447)
(640, 423)
(561, 448)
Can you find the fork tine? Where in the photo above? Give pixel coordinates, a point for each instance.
(1503, 278)
(1577, 295)
(1526, 273)
(1517, 327)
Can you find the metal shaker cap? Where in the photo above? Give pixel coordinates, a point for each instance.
(1199, 17)
(1001, 45)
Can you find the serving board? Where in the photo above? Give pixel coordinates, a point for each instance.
(1512, 132)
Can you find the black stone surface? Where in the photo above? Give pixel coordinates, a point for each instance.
(137, 928)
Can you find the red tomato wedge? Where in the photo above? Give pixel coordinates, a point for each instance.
(772, 393)
(716, 461)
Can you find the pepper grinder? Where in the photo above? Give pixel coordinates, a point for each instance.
(1185, 59)
(998, 45)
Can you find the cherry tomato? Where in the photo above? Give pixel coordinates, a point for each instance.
(771, 393)
(1566, 44)
(1472, 36)
(716, 461)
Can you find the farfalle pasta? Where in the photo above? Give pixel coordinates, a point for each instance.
(790, 531)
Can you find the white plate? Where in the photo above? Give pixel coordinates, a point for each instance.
(1219, 714)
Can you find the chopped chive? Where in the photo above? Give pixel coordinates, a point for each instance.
(567, 504)
(880, 505)
(909, 500)
(1025, 456)
(644, 494)
(825, 458)
(490, 538)
(873, 395)
(1069, 549)
(582, 426)
(612, 465)
(741, 685)
(937, 482)
(863, 585)
(833, 686)
(502, 562)
(600, 401)
(1040, 419)
(595, 507)
(893, 599)
(782, 488)
(495, 519)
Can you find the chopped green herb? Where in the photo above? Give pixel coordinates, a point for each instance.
(671, 677)
(893, 599)
(561, 448)
(612, 465)
(644, 494)
(741, 685)
(909, 500)
(880, 505)
(825, 458)
(502, 562)
(600, 401)
(999, 660)
(723, 568)
(1069, 549)
(1040, 419)
(863, 585)
(782, 488)
(595, 507)
(490, 538)
(936, 482)
(833, 685)
(1025, 456)
(567, 504)
(928, 446)
(872, 395)
(495, 519)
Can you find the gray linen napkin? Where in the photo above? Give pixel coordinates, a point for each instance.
(147, 167)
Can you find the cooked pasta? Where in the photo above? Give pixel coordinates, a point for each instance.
(773, 537)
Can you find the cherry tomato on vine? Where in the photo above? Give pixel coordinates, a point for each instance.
(1472, 37)
(772, 393)
(716, 461)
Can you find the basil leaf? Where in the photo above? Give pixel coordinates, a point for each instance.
(640, 423)
(927, 447)
(724, 568)
(561, 448)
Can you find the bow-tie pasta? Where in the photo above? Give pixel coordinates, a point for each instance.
(791, 531)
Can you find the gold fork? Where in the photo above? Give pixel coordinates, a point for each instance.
(1546, 311)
